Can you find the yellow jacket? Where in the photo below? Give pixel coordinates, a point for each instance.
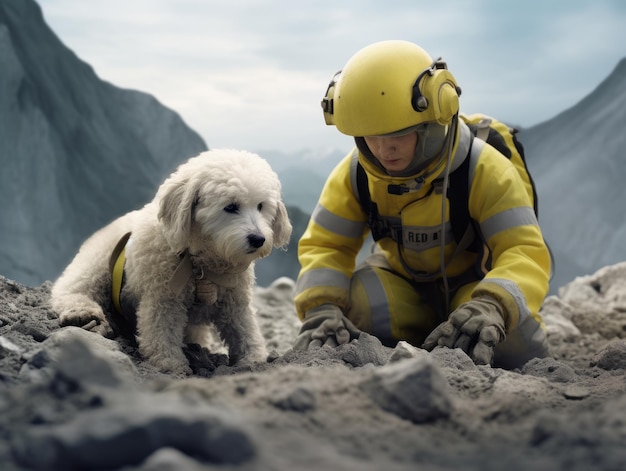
(498, 201)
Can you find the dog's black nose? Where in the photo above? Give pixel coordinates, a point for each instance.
(255, 240)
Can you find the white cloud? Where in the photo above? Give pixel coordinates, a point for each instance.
(251, 73)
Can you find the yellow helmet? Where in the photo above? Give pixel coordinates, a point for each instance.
(389, 86)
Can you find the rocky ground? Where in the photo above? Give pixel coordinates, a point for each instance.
(70, 399)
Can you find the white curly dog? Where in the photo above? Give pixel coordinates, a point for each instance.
(189, 262)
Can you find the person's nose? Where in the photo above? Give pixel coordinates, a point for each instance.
(386, 146)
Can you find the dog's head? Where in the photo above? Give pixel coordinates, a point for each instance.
(225, 206)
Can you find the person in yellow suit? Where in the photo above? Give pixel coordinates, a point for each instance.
(419, 284)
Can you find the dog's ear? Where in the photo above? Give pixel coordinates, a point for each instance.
(176, 211)
(281, 226)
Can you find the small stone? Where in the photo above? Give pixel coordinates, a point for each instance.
(404, 350)
(575, 392)
(7, 345)
(299, 400)
(549, 368)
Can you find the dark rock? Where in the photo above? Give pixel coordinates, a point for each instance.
(367, 349)
(454, 358)
(612, 357)
(299, 400)
(414, 390)
(133, 430)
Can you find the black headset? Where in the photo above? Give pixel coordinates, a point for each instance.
(438, 79)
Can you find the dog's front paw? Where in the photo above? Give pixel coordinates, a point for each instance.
(251, 359)
(171, 366)
(88, 319)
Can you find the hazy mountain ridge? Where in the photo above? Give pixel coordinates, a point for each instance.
(319, 161)
(578, 161)
(75, 151)
(303, 173)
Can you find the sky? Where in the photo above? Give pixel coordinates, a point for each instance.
(250, 74)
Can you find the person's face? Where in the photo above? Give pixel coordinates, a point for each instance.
(394, 153)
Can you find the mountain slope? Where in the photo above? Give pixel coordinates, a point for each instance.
(75, 151)
(578, 161)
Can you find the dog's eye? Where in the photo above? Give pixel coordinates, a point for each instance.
(259, 207)
(232, 208)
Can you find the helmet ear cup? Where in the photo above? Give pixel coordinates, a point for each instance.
(328, 102)
(436, 90)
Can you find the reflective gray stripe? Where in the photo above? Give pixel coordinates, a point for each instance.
(381, 322)
(337, 224)
(520, 300)
(353, 164)
(513, 217)
(477, 148)
(421, 238)
(322, 277)
(482, 131)
(465, 137)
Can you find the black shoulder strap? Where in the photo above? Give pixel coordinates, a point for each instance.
(362, 188)
(458, 196)
(379, 226)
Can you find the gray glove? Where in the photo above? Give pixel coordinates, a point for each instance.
(325, 325)
(476, 327)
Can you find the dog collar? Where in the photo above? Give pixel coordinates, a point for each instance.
(184, 272)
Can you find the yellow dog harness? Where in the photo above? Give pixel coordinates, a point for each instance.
(116, 267)
(206, 283)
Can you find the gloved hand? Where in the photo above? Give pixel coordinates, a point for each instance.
(325, 325)
(476, 327)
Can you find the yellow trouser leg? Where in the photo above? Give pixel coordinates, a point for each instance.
(384, 304)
